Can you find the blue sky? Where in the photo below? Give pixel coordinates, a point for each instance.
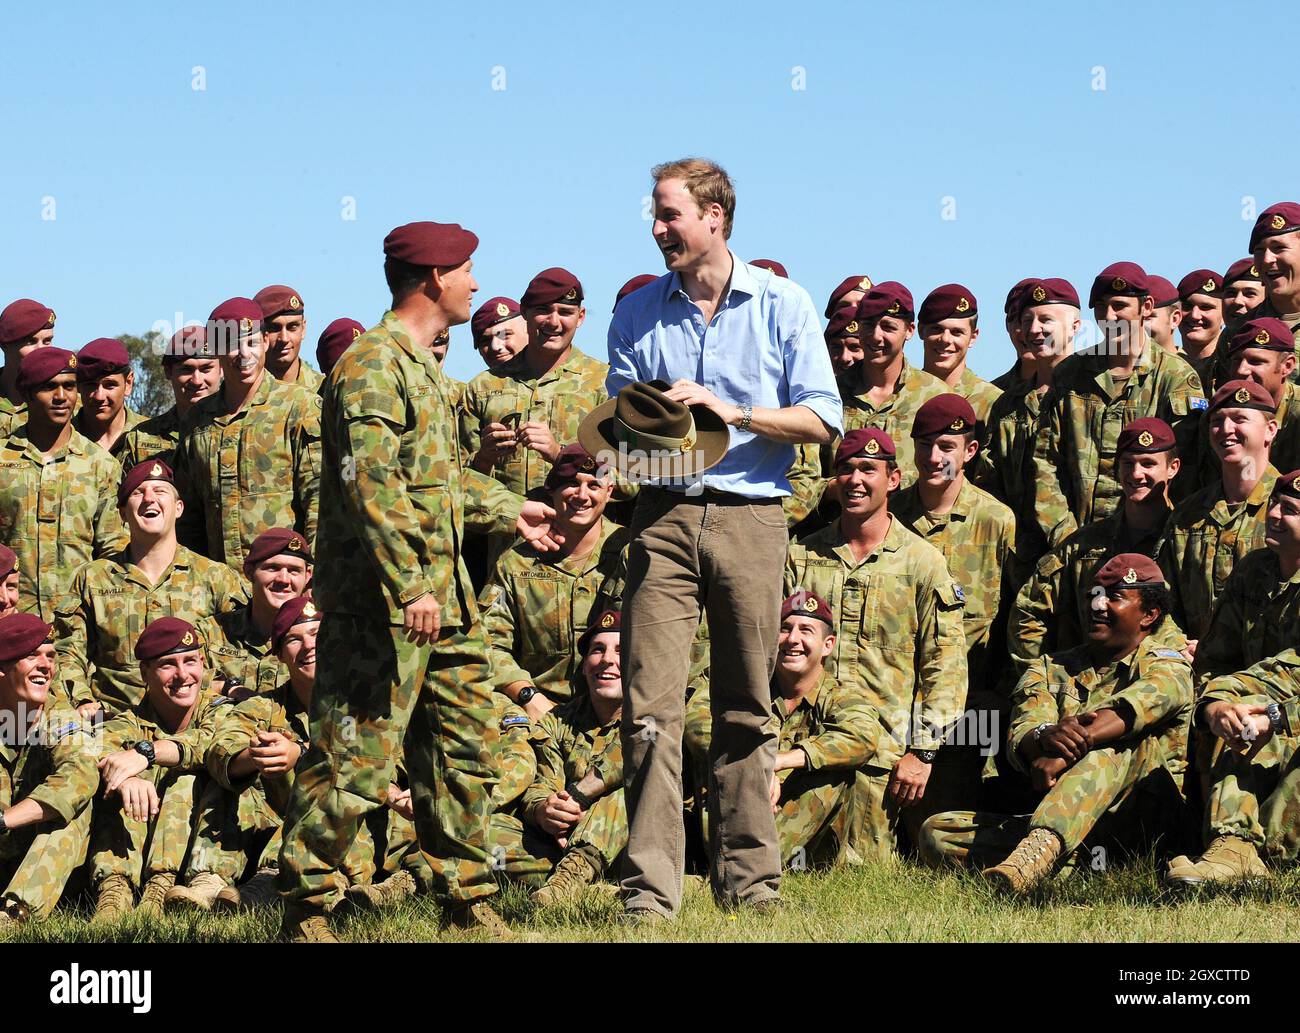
(169, 199)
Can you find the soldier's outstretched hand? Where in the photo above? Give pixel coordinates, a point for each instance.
(534, 526)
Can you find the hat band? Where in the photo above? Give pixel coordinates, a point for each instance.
(643, 439)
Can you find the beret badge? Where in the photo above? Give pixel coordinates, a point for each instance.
(309, 611)
(871, 447)
(1130, 576)
(1278, 222)
(72, 362)
(607, 621)
(1262, 337)
(957, 424)
(851, 327)
(295, 302)
(589, 463)
(49, 321)
(187, 639)
(355, 333)
(1040, 294)
(1242, 395)
(502, 309)
(156, 470)
(1209, 286)
(963, 305)
(294, 543)
(1253, 270)
(246, 326)
(572, 294)
(1119, 284)
(893, 309)
(810, 605)
(865, 284)
(1145, 439)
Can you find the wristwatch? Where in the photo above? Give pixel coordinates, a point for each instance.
(525, 694)
(746, 416)
(924, 756)
(1274, 712)
(145, 748)
(1038, 732)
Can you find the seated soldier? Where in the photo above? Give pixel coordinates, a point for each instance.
(1099, 729)
(828, 735)
(8, 581)
(142, 827)
(47, 776)
(113, 599)
(278, 568)
(253, 758)
(899, 636)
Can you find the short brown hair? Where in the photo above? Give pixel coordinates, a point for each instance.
(707, 182)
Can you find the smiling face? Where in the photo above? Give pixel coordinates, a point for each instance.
(456, 286)
(503, 342)
(1278, 261)
(243, 363)
(150, 511)
(883, 338)
(104, 398)
(193, 379)
(298, 649)
(551, 327)
(1240, 299)
(601, 668)
(27, 680)
(941, 459)
(1117, 619)
(802, 645)
(1120, 318)
(845, 351)
(1050, 330)
(284, 334)
(1282, 525)
(278, 579)
(946, 343)
(52, 402)
(1146, 476)
(580, 504)
(864, 485)
(9, 593)
(686, 234)
(1202, 321)
(175, 679)
(1241, 435)
(1268, 368)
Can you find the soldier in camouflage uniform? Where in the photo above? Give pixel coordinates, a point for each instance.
(249, 456)
(1023, 368)
(1101, 730)
(499, 331)
(1200, 301)
(401, 644)
(1243, 294)
(949, 327)
(1096, 393)
(1275, 247)
(8, 581)
(334, 340)
(284, 326)
(151, 772)
(1261, 351)
(47, 776)
(112, 600)
(24, 326)
(104, 381)
(57, 490)
(900, 642)
(191, 367)
(1215, 528)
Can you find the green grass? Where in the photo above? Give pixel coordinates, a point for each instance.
(889, 902)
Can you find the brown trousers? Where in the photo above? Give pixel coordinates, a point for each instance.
(721, 554)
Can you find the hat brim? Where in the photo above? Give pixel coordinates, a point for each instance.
(712, 439)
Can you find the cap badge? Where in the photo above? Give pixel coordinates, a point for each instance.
(871, 447)
(957, 424)
(1130, 577)
(50, 319)
(1119, 284)
(851, 327)
(503, 309)
(893, 309)
(865, 284)
(156, 470)
(1262, 337)
(963, 305)
(1278, 222)
(1040, 294)
(187, 639)
(295, 301)
(607, 621)
(294, 543)
(688, 442)
(1242, 395)
(355, 333)
(1254, 271)
(1145, 439)
(246, 326)
(72, 362)
(589, 463)
(572, 295)
(309, 611)
(1208, 286)
(810, 605)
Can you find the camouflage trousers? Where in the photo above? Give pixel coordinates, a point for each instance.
(140, 849)
(1258, 800)
(1117, 798)
(520, 852)
(375, 693)
(43, 863)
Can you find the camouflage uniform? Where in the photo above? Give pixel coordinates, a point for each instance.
(915, 387)
(1284, 453)
(308, 379)
(806, 484)
(900, 642)
(110, 602)
(1076, 472)
(36, 861)
(119, 449)
(980, 393)
(57, 514)
(1257, 616)
(243, 473)
(391, 533)
(537, 606)
(12, 416)
(838, 731)
(1004, 468)
(155, 438)
(243, 655)
(1205, 540)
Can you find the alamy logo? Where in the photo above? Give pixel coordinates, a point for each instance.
(106, 986)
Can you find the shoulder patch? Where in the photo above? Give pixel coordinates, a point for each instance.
(1198, 403)
(1168, 654)
(957, 590)
(513, 720)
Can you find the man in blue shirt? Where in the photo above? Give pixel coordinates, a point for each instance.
(747, 345)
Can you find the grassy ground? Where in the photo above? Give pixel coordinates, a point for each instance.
(883, 902)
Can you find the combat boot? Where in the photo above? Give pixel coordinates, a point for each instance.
(569, 881)
(1227, 859)
(200, 893)
(306, 925)
(372, 896)
(154, 893)
(114, 899)
(1030, 862)
(479, 914)
(257, 892)
(13, 914)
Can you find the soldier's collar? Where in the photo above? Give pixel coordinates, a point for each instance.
(895, 537)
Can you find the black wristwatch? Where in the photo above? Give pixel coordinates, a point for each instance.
(1274, 713)
(145, 748)
(924, 756)
(581, 799)
(525, 694)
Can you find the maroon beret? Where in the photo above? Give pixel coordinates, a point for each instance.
(771, 265)
(1287, 484)
(867, 442)
(1162, 291)
(944, 414)
(1051, 291)
(430, 243)
(41, 365)
(1270, 334)
(552, 285)
(1015, 298)
(1199, 281)
(847, 286)
(951, 301)
(167, 635)
(299, 610)
(844, 323)
(890, 298)
(100, 358)
(610, 620)
(147, 470)
(1241, 269)
(335, 340)
(490, 313)
(1278, 218)
(22, 318)
(1126, 279)
(278, 541)
(634, 284)
(1129, 570)
(807, 604)
(244, 313)
(1145, 437)
(21, 634)
(278, 300)
(8, 561)
(1242, 394)
(189, 342)
(572, 460)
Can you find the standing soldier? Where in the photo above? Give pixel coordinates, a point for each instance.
(1166, 314)
(1275, 246)
(58, 491)
(191, 367)
(1200, 297)
(249, 456)
(949, 323)
(334, 340)
(8, 581)
(400, 643)
(284, 326)
(1262, 351)
(850, 291)
(1023, 368)
(500, 332)
(105, 380)
(1096, 393)
(24, 325)
(844, 341)
(1243, 294)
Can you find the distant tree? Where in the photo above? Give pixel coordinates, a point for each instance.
(152, 393)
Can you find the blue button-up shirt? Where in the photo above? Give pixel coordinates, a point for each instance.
(763, 348)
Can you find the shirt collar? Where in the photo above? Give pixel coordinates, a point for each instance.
(742, 281)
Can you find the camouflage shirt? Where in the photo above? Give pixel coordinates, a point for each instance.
(12, 414)
(156, 437)
(133, 420)
(237, 725)
(58, 772)
(1206, 539)
(915, 387)
(1273, 680)
(1011, 378)
(570, 741)
(98, 621)
(244, 655)
(1257, 616)
(394, 493)
(57, 514)
(806, 484)
(898, 618)
(245, 472)
(1284, 453)
(1004, 466)
(980, 393)
(308, 379)
(124, 730)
